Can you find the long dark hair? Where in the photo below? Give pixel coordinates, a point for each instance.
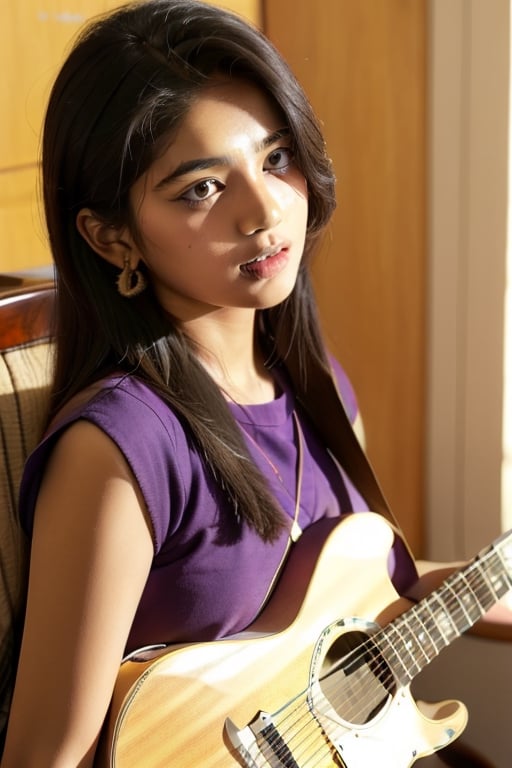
(123, 90)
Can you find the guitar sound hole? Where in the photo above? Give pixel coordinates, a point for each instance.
(355, 678)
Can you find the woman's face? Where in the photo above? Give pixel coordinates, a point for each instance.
(222, 213)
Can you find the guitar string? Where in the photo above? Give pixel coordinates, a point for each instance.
(297, 728)
(463, 612)
(384, 674)
(270, 753)
(384, 670)
(324, 743)
(295, 749)
(480, 592)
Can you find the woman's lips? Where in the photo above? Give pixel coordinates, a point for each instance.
(266, 265)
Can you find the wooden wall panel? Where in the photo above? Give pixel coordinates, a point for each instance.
(363, 66)
(250, 9)
(34, 36)
(22, 233)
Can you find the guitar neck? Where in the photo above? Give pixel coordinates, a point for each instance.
(416, 637)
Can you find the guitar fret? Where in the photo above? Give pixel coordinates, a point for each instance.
(418, 636)
(459, 615)
(439, 622)
(414, 638)
(493, 583)
(470, 595)
(408, 645)
(425, 640)
(412, 649)
(487, 583)
(503, 551)
(501, 579)
(393, 658)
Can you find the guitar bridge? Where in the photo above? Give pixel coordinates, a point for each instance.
(261, 737)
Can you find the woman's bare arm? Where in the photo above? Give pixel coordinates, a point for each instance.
(91, 554)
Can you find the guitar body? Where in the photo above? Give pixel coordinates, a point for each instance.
(304, 687)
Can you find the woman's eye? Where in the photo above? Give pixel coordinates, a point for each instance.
(279, 159)
(201, 191)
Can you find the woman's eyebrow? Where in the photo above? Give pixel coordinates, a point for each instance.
(204, 163)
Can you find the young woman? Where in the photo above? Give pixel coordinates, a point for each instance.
(186, 183)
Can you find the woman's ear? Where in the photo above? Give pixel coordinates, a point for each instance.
(112, 243)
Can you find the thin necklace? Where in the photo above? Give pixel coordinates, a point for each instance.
(295, 530)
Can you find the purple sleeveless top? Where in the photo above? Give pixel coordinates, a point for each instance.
(210, 574)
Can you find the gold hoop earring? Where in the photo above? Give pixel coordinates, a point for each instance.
(130, 282)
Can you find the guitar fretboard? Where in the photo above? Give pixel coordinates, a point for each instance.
(416, 637)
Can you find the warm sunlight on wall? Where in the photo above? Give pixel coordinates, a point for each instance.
(34, 36)
(506, 474)
(33, 39)
(250, 9)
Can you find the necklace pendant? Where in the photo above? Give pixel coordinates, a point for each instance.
(296, 531)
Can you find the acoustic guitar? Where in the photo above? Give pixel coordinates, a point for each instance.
(315, 682)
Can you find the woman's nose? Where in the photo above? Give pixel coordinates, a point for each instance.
(259, 208)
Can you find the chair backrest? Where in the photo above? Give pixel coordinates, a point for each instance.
(25, 375)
